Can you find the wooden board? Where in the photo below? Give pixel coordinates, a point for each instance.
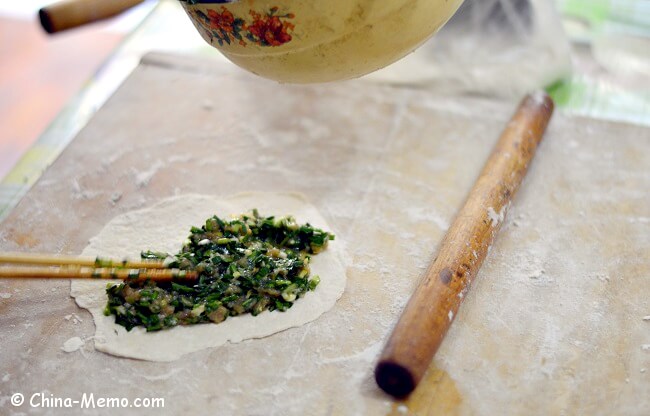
(553, 325)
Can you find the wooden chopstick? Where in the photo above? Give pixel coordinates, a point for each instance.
(435, 302)
(54, 260)
(43, 266)
(158, 275)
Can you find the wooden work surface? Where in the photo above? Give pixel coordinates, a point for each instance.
(553, 324)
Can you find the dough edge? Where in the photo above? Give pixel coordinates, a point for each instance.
(164, 226)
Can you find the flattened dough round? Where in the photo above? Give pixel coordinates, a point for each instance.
(163, 227)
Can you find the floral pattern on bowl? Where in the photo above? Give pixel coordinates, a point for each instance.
(264, 29)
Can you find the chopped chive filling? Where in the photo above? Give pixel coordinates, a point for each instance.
(248, 265)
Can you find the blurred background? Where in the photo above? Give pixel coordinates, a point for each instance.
(597, 63)
(39, 73)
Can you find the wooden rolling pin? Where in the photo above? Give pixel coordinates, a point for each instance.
(435, 302)
(68, 14)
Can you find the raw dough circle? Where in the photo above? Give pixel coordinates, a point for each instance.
(163, 227)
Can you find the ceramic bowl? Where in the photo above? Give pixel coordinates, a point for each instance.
(302, 41)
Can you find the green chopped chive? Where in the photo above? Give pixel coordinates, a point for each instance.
(247, 265)
(313, 282)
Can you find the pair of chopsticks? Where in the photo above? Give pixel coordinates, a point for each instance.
(42, 266)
